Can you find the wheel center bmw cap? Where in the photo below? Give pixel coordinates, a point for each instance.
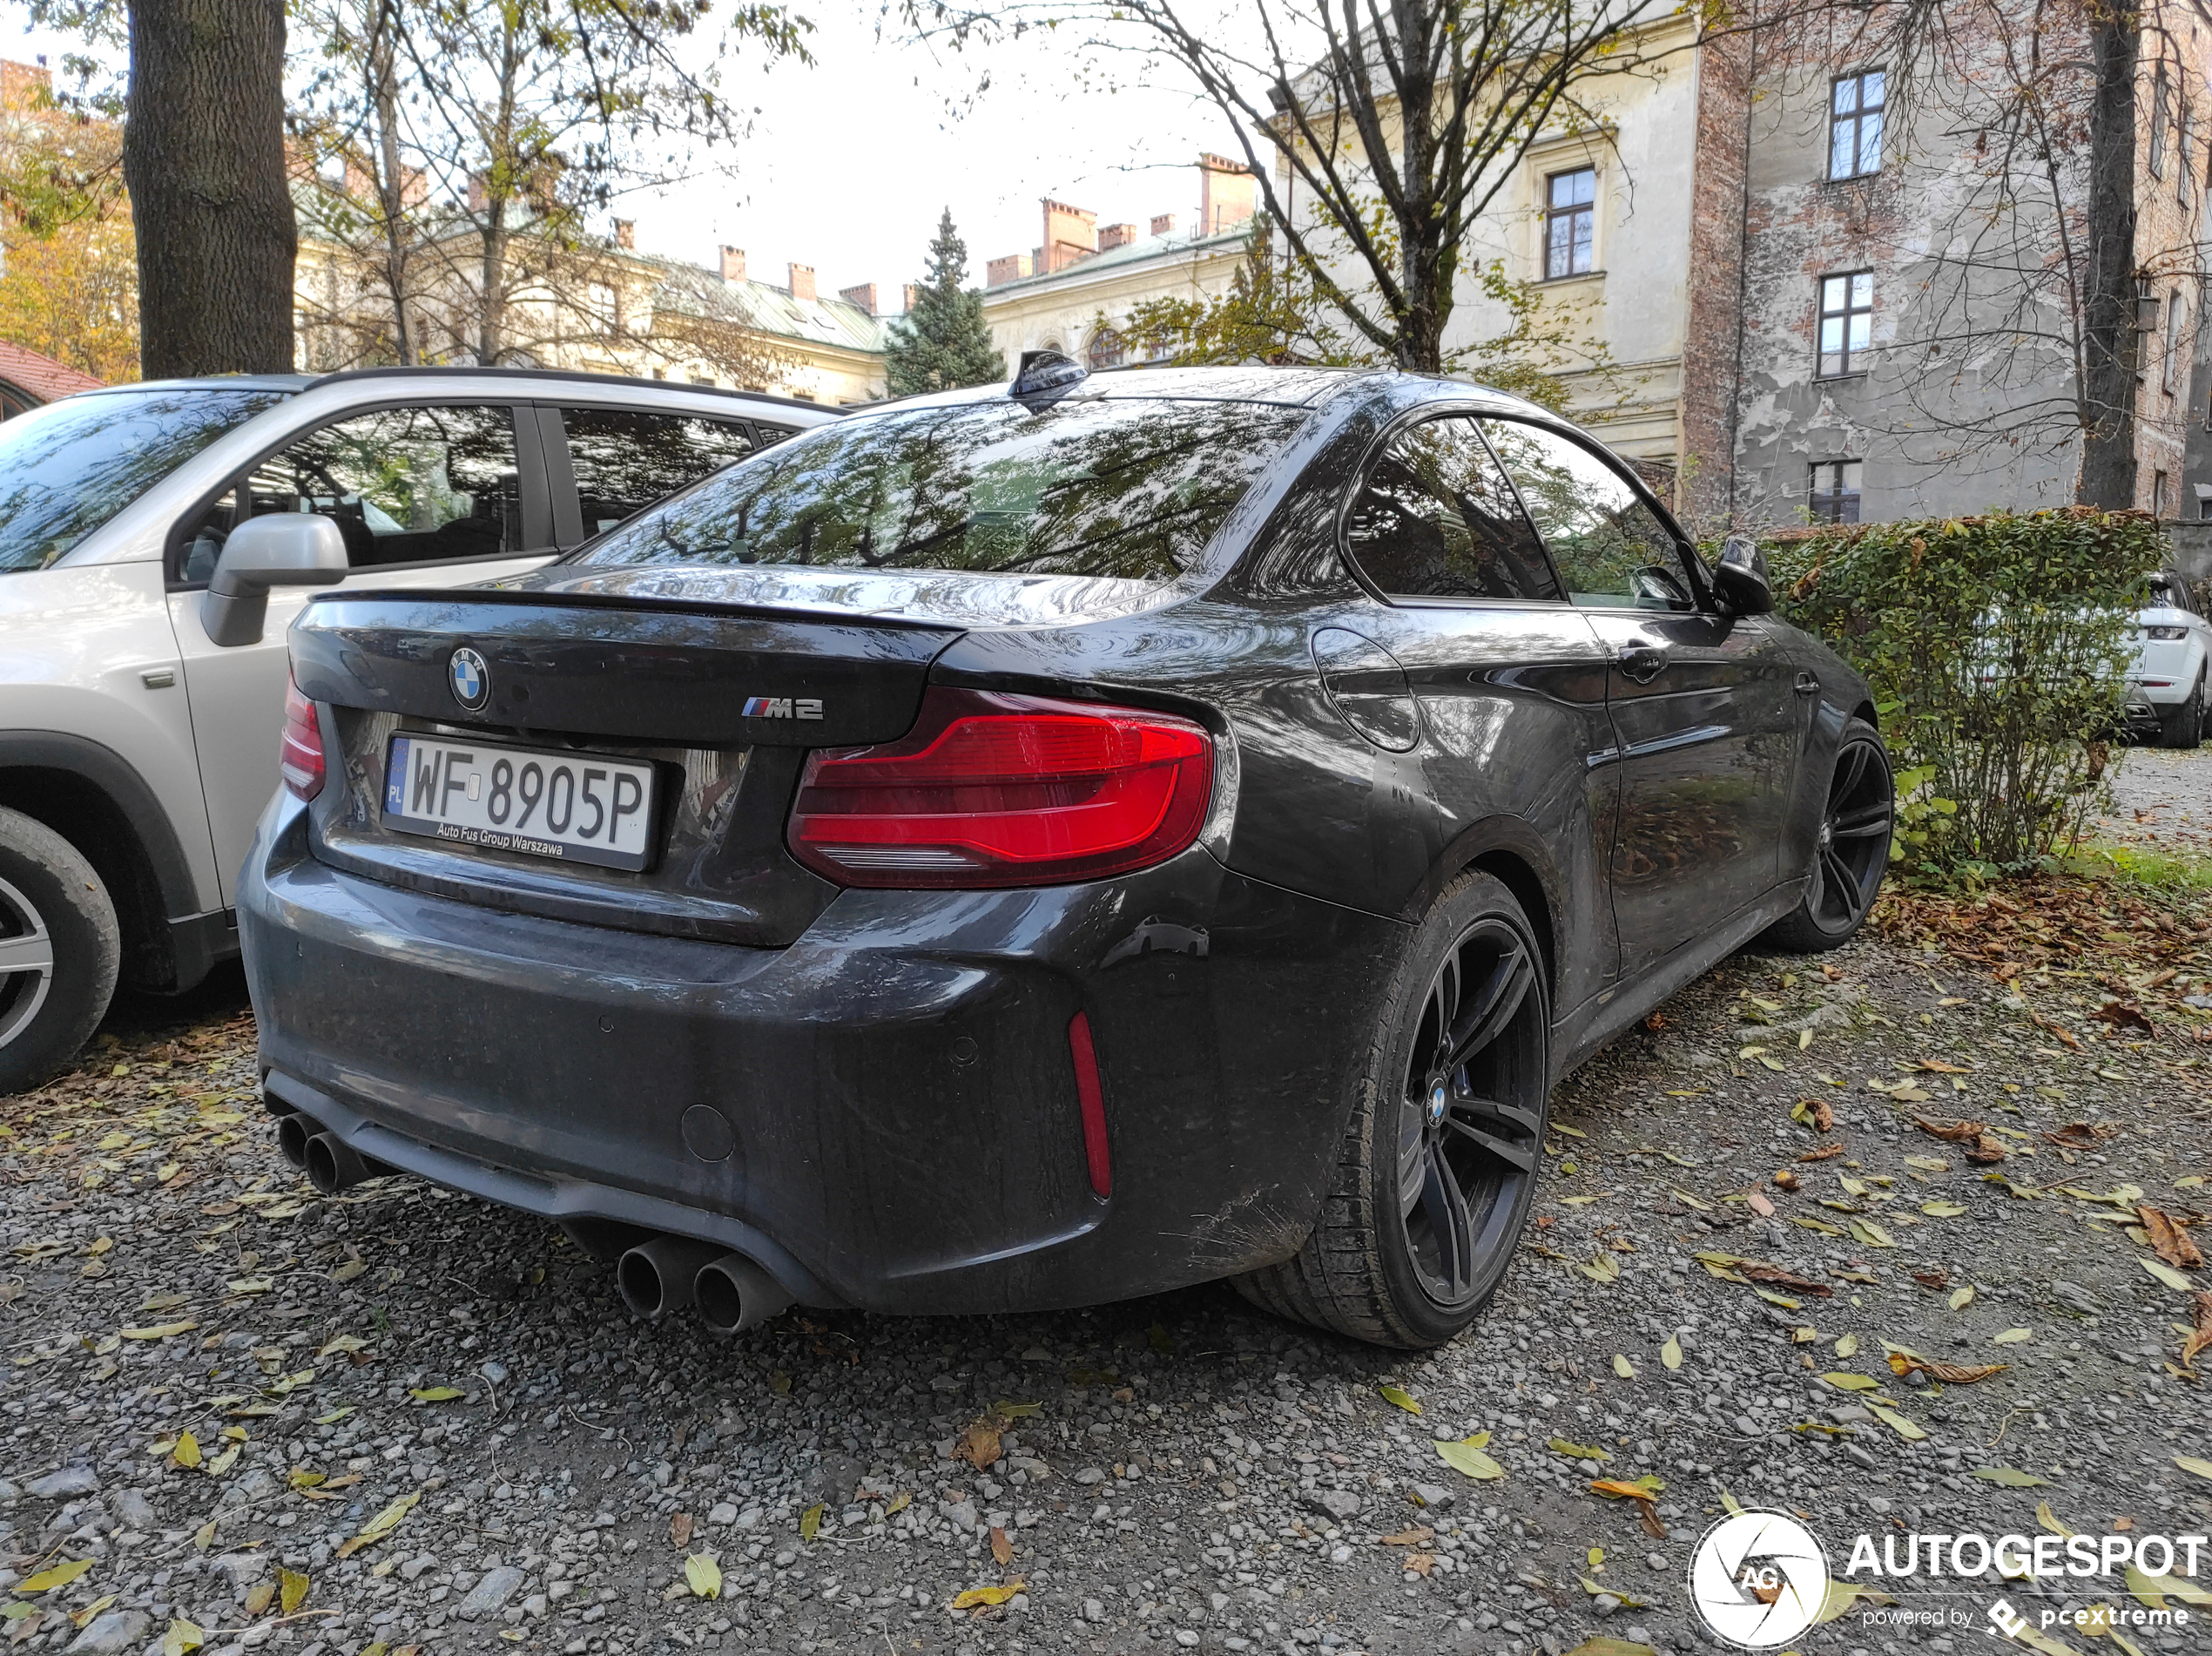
(471, 677)
(1437, 1102)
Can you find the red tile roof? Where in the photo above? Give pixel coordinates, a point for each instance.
(42, 376)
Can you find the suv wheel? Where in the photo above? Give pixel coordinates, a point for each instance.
(1853, 852)
(2182, 725)
(1438, 1168)
(60, 951)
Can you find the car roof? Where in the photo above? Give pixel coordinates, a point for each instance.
(1283, 387)
(297, 382)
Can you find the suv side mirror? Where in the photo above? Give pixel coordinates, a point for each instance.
(1740, 577)
(280, 549)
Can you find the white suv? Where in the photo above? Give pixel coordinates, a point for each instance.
(2166, 680)
(140, 711)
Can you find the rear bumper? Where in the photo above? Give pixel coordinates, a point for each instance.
(896, 1090)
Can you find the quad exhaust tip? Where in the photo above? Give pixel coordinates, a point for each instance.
(663, 1276)
(332, 1164)
(293, 1133)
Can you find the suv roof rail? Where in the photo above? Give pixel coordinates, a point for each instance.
(572, 376)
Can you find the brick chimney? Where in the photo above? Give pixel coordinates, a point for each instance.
(1070, 235)
(1012, 268)
(1226, 193)
(864, 296)
(1116, 235)
(907, 293)
(802, 281)
(733, 263)
(626, 234)
(1163, 224)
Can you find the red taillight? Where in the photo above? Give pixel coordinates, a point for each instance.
(299, 758)
(999, 790)
(1090, 1104)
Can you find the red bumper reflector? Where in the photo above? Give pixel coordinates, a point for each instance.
(1093, 1103)
(300, 755)
(1005, 790)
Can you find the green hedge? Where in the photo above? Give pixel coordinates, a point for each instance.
(1996, 647)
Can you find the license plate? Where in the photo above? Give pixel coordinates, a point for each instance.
(579, 808)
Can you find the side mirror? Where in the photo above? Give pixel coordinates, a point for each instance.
(1740, 577)
(281, 549)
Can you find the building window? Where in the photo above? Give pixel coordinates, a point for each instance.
(2173, 338)
(2158, 494)
(2161, 112)
(1570, 214)
(2185, 152)
(2203, 505)
(1106, 349)
(1855, 126)
(1846, 323)
(1835, 490)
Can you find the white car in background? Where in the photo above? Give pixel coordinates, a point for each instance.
(2166, 680)
(156, 540)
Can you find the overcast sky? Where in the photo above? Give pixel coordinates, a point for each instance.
(851, 160)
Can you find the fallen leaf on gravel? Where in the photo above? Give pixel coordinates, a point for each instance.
(1623, 1367)
(703, 1575)
(2191, 1463)
(159, 1331)
(1904, 1361)
(187, 1453)
(1962, 1297)
(2200, 1335)
(1942, 1210)
(2152, 1589)
(224, 1461)
(1847, 1344)
(1404, 1401)
(1646, 1487)
(1788, 1180)
(59, 1576)
(434, 1394)
(2012, 1337)
(1670, 1354)
(984, 1598)
(1869, 1233)
(1812, 1224)
(1845, 1381)
(810, 1521)
(379, 1526)
(182, 1639)
(2168, 1240)
(1603, 1267)
(979, 1445)
(1599, 1645)
(1758, 1204)
(1816, 1113)
(1934, 1281)
(1467, 1456)
(679, 1530)
(349, 1270)
(2166, 1273)
(2079, 1135)
(348, 1343)
(1416, 1536)
(1908, 1430)
(1578, 1451)
(2010, 1477)
(2124, 1015)
(1001, 1548)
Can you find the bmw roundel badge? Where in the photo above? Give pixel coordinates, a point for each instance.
(471, 677)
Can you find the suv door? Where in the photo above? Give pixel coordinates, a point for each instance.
(425, 495)
(1705, 715)
(609, 463)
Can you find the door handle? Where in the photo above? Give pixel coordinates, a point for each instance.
(1642, 662)
(1808, 685)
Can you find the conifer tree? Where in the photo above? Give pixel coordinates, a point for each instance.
(941, 342)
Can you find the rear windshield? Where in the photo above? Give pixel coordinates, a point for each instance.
(1131, 488)
(67, 468)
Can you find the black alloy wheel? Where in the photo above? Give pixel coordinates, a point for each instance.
(1468, 1146)
(1852, 851)
(1439, 1163)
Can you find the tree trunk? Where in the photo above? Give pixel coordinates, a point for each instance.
(491, 324)
(392, 183)
(2110, 342)
(202, 157)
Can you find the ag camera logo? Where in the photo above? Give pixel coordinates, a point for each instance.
(1758, 1580)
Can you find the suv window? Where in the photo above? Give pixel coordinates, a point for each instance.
(1613, 551)
(418, 485)
(625, 459)
(68, 468)
(1438, 519)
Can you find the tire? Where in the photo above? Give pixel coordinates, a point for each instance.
(2182, 725)
(1853, 851)
(1412, 1271)
(59, 951)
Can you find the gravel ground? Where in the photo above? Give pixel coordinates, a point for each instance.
(2163, 797)
(1180, 1472)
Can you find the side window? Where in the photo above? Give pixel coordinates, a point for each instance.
(406, 486)
(625, 459)
(1437, 519)
(1612, 550)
